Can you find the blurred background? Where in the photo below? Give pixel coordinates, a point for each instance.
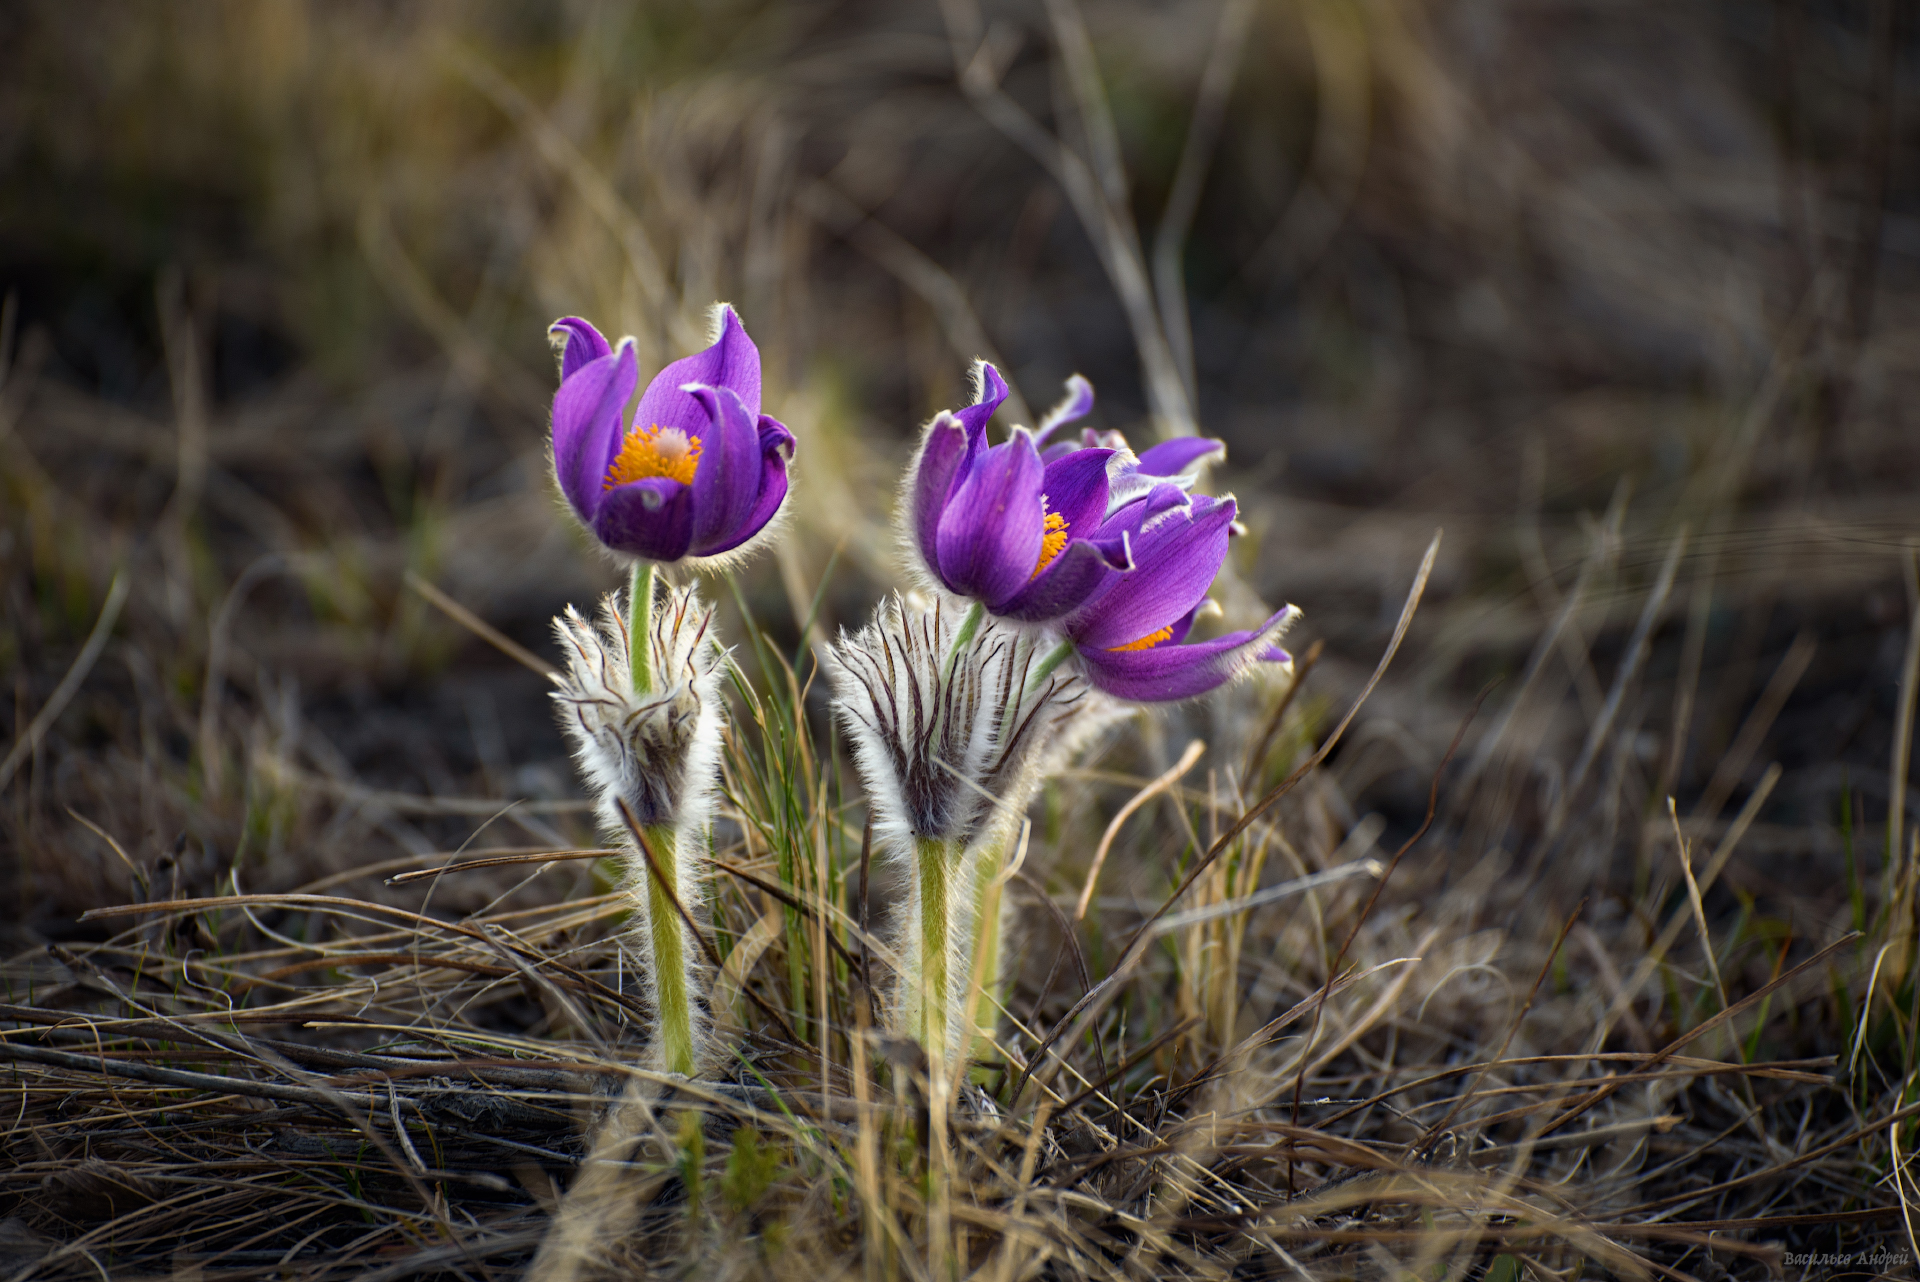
(1602, 289)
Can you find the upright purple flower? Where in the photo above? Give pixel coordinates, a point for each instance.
(1128, 635)
(1030, 538)
(699, 472)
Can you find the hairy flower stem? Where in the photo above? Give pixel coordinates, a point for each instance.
(964, 637)
(925, 986)
(667, 938)
(1055, 657)
(639, 624)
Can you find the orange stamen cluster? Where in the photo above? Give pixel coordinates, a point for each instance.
(1052, 539)
(654, 451)
(1146, 642)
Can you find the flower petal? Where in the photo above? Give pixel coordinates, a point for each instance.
(1170, 458)
(930, 480)
(1171, 671)
(1069, 579)
(991, 389)
(1076, 405)
(1076, 488)
(775, 436)
(651, 518)
(1127, 482)
(1175, 562)
(586, 426)
(726, 482)
(776, 444)
(579, 341)
(732, 362)
(988, 539)
(1145, 507)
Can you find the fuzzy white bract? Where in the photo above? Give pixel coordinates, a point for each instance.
(950, 744)
(659, 753)
(646, 748)
(951, 751)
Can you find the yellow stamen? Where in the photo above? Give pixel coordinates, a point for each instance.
(1052, 541)
(654, 451)
(1146, 642)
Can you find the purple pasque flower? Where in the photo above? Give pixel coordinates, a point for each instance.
(1030, 538)
(698, 473)
(1129, 634)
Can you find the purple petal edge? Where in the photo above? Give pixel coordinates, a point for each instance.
(1170, 458)
(930, 482)
(652, 519)
(587, 429)
(1076, 405)
(991, 391)
(1076, 488)
(732, 362)
(727, 480)
(989, 535)
(1169, 672)
(579, 343)
(776, 445)
(1069, 579)
(1175, 562)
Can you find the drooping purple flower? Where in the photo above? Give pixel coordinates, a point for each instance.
(698, 473)
(1129, 634)
(1030, 537)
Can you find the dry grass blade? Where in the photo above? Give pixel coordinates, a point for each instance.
(480, 627)
(29, 739)
(1899, 868)
(1139, 799)
(498, 861)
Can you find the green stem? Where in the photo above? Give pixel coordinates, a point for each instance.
(640, 626)
(991, 920)
(667, 941)
(927, 987)
(968, 627)
(1055, 657)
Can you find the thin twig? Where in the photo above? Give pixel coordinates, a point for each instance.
(1139, 799)
(499, 861)
(69, 685)
(480, 627)
(1264, 744)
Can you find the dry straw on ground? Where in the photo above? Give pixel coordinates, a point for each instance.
(317, 971)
